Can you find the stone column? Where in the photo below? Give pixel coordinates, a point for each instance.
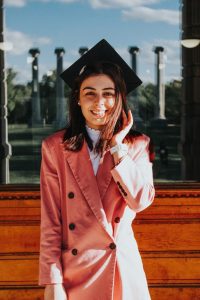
(60, 98)
(5, 147)
(133, 97)
(159, 118)
(36, 109)
(190, 120)
(82, 50)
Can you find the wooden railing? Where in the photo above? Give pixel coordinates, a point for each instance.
(168, 235)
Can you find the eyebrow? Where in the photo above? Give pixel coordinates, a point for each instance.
(91, 88)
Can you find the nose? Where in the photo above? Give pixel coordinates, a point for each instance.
(100, 100)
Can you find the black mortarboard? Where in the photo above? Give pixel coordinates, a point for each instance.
(102, 51)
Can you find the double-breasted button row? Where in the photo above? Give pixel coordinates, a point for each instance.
(70, 195)
(74, 251)
(121, 188)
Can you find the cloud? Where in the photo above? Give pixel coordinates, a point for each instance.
(16, 3)
(94, 3)
(61, 1)
(120, 3)
(172, 51)
(23, 42)
(152, 15)
(65, 1)
(21, 3)
(24, 74)
(131, 9)
(147, 59)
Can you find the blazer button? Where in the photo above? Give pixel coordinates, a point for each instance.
(70, 195)
(74, 251)
(112, 246)
(117, 219)
(72, 226)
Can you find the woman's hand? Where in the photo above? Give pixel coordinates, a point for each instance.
(127, 123)
(55, 292)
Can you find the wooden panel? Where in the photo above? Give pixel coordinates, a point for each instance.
(168, 235)
(157, 293)
(170, 268)
(167, 269)
(175, 293)
(19, 270)
(19, 238)
(164, 236)
(21, 293)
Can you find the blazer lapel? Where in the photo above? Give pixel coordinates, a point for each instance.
(81, 167)
(104, 175)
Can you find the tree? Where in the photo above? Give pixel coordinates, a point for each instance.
(18, 98)
(147, 101)
(173, 102)
(48, 97)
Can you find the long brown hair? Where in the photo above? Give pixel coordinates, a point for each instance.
(76, 132)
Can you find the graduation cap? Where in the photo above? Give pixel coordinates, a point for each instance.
(101, 52)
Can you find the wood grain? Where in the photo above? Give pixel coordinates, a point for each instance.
(168, 236)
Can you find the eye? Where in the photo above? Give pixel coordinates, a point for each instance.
(109, 94)
(90, 94)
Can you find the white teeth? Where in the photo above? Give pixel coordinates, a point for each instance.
(98, 113)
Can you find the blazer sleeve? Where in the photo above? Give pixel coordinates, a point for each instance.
(134, 178)
(50, 269)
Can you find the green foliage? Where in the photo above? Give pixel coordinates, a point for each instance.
(173, 102)
(48, 97)
(18, 98)
(147, 102)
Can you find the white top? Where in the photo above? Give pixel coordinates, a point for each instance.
(95, 158)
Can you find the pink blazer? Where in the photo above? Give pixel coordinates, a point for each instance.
(86, 233)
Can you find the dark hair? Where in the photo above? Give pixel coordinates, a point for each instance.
(76, 132)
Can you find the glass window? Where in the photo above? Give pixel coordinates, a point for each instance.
(35, 95)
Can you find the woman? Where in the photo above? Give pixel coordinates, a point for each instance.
(95, 176)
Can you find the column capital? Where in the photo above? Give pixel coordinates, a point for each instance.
(133, 49)
(59, 51)
(34, 52)
(158, 49)
(82, 50)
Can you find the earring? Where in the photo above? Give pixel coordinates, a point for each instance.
(79, 103)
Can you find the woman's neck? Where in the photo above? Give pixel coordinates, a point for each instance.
(93, 134)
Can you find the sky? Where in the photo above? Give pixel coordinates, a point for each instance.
(71, 24)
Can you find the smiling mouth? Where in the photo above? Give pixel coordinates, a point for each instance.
(98, 113)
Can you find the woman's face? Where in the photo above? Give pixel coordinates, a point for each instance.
(97, 98)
